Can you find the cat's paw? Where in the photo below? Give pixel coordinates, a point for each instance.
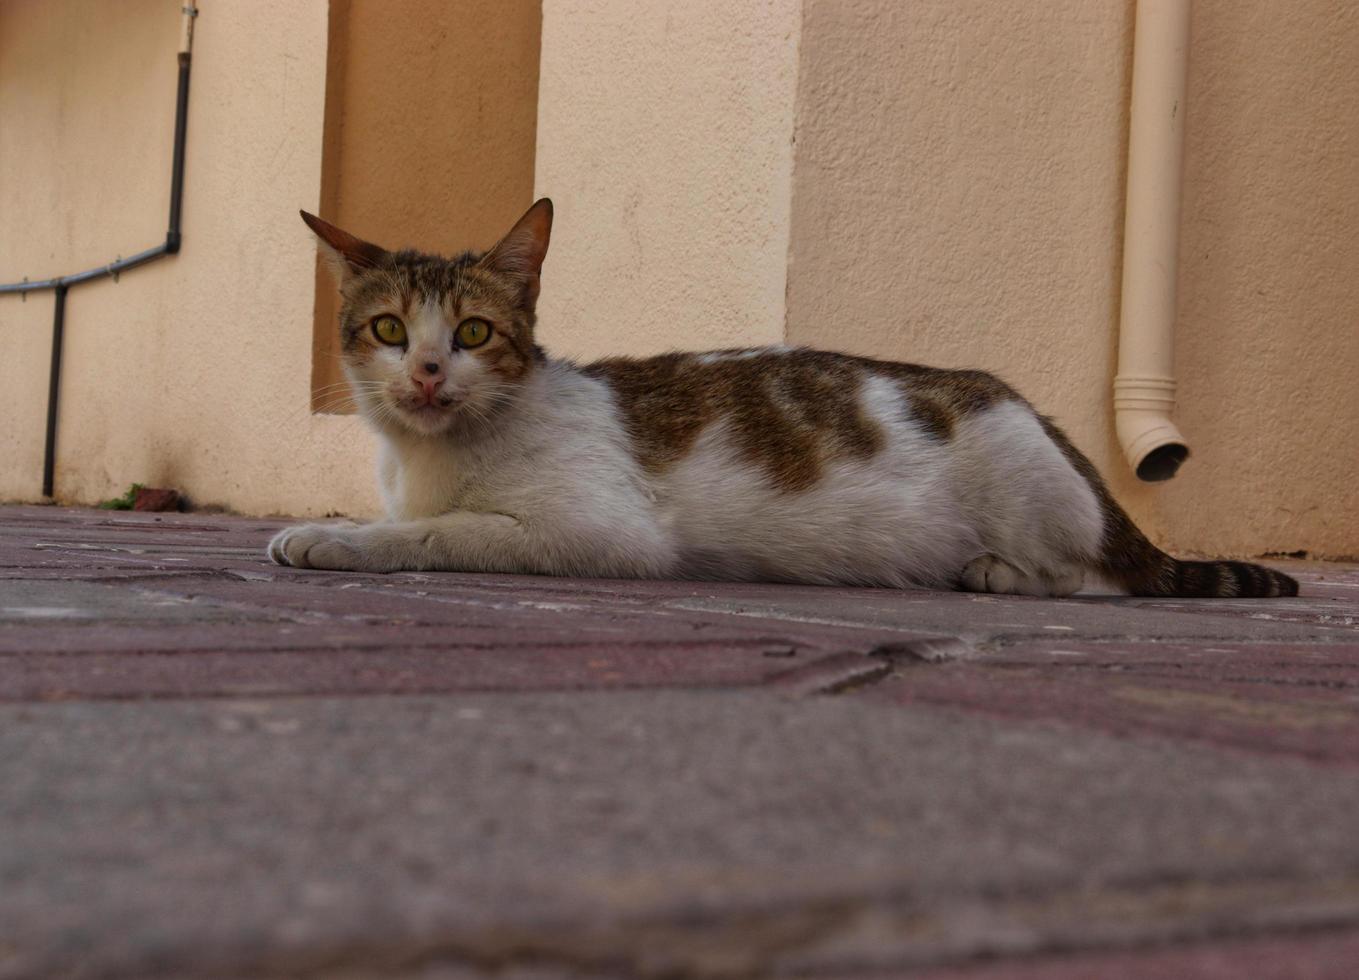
(329, 546)
(989, 574)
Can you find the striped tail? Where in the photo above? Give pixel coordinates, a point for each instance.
(1143, 569)
(1209, 579)
(1128, 559)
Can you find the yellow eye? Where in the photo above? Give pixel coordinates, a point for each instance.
(472, 333)
(389, 330)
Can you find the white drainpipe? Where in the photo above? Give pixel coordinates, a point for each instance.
(188, 12)
(1144, 389)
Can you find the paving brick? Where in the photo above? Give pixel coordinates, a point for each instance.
(641, 832)
(394, 669)
(211, 765)
(1311, 711)
(1311, 956)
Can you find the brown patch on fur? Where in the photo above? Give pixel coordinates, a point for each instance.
(788, 415)
(934, 417)
(938, 397)
(942, 397)
(1143, 569)
(789, 412)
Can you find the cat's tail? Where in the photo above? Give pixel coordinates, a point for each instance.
(1133, 562)
(1167, 576)
(1129, 560)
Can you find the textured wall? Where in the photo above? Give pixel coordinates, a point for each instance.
(192, 372)
(958, 191)
(664, 139)
(954, 196)
(430, 129)
(1268, 342)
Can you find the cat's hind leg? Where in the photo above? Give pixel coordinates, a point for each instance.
(1063, 581)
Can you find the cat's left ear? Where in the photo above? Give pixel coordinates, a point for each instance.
(520, 254)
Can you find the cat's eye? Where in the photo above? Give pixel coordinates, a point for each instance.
(389, 330)
(472, 333)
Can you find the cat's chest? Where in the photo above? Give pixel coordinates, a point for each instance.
(421, 480)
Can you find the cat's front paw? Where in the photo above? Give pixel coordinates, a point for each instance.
(330, 546)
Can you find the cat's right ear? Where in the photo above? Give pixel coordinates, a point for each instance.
(345, 254)
(520, 254)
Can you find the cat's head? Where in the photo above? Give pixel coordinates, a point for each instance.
(433, 344)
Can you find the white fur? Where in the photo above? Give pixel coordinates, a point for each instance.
(552, 487)
(721, 356)
(1030, 507)
(891, 520)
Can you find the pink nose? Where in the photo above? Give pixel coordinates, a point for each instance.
(427, 377)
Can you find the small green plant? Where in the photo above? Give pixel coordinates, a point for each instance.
(124, 502)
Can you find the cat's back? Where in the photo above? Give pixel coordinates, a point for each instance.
(789, 410)
(789, 462)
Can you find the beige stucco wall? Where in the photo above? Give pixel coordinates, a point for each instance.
(1268, 347)
(192, 372)
(957, 200)
(938, 181)
(665, 142)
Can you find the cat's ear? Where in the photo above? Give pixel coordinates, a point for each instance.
(520, 253)
(345, 253)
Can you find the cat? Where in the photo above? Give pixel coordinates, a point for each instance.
(771, 464)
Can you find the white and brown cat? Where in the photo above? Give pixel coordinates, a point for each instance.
(771, 464)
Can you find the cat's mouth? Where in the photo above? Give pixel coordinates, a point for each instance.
(430, 414)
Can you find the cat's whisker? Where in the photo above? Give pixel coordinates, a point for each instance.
(330, 408)
(327, 407)
(346, 390)
(348, 386)
(329, 401)
(333, 398)
(321, 394)
(478, 416)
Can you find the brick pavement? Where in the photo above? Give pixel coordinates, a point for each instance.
(215, 766)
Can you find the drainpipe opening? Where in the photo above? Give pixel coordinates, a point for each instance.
(1162, 462)
(1150, 440)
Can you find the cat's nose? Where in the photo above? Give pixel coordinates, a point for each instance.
(427, 376)
(427, 371)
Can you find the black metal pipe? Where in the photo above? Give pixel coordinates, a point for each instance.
(112, 269)
(173, 239)
(177, 166)
(49, 459)
(171, 245)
